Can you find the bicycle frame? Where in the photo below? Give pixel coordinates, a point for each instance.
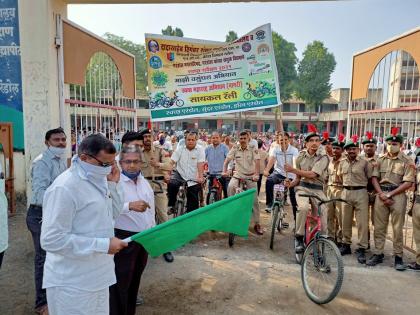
(216, 186)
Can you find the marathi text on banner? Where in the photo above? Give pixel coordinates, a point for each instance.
(190, 77)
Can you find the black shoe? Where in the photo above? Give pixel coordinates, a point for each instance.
(299, 246)
(399, 264)
(414, 267)
(375, 259)
(361, 255)
(139, 300)
(345, 250)
(168, 257)
(339, 244)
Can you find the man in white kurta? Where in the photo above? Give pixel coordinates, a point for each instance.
(77, 231)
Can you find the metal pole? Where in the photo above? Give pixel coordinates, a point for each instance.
(60, 68)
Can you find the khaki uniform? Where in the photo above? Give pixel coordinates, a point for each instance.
(416, 216)
(371, 193)
(392, 171)
(159, 155)
(317, 163)
(245, 160)
(334, 190)
(355, 175)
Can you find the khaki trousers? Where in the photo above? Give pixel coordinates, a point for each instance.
(161, 202)
(416, 229)
(358, 204)
(397, 212)
(334, 219)
(304, 206)
(234, 183)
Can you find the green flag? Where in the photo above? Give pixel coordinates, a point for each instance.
(231, 215)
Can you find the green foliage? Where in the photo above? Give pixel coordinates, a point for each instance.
(139, 52)
(231, 36)
(314, 76)
(286, 60)
(173, 31)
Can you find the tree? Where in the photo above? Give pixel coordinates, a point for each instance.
(231, 36)
(314, 74)
(173, 31)
(139, 52)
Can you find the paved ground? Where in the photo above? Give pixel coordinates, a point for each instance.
(208, 277)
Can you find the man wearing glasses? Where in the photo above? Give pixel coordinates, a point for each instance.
(77, 231)
(311, 174)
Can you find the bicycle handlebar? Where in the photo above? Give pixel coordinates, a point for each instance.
(323, 201)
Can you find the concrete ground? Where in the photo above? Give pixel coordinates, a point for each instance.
(208, 277)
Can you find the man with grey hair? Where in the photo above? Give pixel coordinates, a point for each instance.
(78, 231)
(138, 214)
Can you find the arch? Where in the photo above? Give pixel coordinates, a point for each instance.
(80, 46)
(364, 63)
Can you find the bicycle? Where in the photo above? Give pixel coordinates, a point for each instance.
(181, 199)
(242, 186)
(216, 190)
(277, 211)
(321, 259)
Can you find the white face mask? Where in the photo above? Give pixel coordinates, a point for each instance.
(58, 152)
(95, 171)
(393, 148)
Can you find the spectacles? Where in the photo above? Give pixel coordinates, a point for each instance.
(103, 164)
(129, 162)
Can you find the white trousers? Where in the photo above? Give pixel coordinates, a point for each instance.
(71, 301)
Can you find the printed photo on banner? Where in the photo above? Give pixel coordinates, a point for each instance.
(192, 77)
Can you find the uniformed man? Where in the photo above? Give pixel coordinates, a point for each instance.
(327, 143)
(369, 150)
(416, 215)
(311, 170)
(156, 166)
(247, 167)
(393, 176)
(355, 173)
(334, 190)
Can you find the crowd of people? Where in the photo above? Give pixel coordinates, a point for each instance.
(81, 212)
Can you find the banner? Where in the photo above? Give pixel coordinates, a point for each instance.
(10, 70)
(191, 78)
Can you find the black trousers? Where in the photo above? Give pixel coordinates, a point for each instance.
(193, 199)
(129, 266)
(1, 258)
(273, 179)
(34, 221)
(259, 184)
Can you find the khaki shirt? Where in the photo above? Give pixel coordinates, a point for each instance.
(395, 170)
(317, 163)
(245, 160)
(355, 173)
(159, 155)
(333, 178)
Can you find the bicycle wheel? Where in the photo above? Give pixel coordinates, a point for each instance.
(179, 103)
(179, 208)
(231, 239)
(322, 271)
(247, 96)
(212, 197)
(274, 223)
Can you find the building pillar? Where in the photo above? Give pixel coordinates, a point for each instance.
(260, 126)
(219, 124)
(340, 127)
(299, 126)
(328, 126)
(196, 123)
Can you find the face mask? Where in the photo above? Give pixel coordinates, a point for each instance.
(131, 175)
(393, 148)
(94, 170)
(59, 152)
(161, 141)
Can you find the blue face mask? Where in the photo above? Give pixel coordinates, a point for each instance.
(131, 175)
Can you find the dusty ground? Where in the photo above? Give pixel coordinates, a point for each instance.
(208, 277)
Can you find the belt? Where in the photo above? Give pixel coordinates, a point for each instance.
(311, 186)
(354, 187)
(388, 187)
(155, 178)
(417, 198)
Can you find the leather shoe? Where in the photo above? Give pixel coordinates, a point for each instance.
(361, 255)
(375, 259)
(258, 230)
(414, 267)
(299, 246)
(168, 257)
(399, 264)
(345, 250)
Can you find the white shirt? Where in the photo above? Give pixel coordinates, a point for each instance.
(290, 154)
(136, 221)
(186, 161)
(77, 223)
(166, 145)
